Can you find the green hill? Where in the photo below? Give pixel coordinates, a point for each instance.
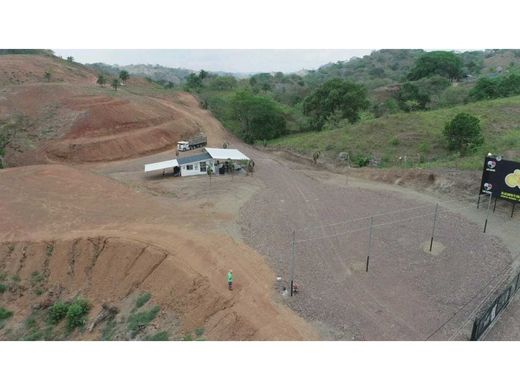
(417, 135)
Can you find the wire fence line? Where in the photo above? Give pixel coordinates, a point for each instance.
(403, 210)
(347, 232)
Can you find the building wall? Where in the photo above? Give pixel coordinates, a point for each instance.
(196, 168)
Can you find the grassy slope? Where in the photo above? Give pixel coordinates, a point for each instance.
(417, 135)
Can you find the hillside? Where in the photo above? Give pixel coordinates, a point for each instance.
(66, 232)
(71, 118)
(417, 135)
(16, 69)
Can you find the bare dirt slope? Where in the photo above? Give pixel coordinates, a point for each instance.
(93, 237)
(71, 119)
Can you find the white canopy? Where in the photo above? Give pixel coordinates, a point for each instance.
(161, 165)
(225, 154)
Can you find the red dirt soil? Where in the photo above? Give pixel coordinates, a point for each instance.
(75, 120)
(109, 241)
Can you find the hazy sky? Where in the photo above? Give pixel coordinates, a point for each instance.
(249, 61)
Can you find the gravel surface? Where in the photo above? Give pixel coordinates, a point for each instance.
(408, 292)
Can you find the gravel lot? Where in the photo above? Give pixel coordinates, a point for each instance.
(408, 293)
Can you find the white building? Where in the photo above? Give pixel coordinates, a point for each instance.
(219, 160)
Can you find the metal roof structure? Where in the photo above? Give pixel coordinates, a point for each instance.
(161, 165)
(195, 158)
(226, 154)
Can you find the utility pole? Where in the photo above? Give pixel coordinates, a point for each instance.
(434, 222)
(487, 215)
(293, 258)
(369, 241)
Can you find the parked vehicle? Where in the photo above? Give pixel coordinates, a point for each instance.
(193, 143)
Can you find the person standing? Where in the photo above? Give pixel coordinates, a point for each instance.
(230, 279)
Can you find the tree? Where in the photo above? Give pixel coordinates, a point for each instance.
(193, 82)
(47, 75)
(223, 83)
(510, 85)
(203, 74)
(410, 98)
(260, 117)
(442, 63)
(463, 133)
(485, 88)
(115, 84)
(335, 96)
(124, 75)
(101, 80)
(70, 59)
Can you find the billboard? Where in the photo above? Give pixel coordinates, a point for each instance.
(501, 178)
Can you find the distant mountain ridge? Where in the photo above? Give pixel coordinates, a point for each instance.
(157, 72)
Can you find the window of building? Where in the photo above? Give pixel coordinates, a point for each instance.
(189, 167)
(203, 166)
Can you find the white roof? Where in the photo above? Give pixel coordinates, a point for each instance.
(161, 165)
(224, 154)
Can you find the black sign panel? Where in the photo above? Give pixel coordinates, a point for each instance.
(501, 178)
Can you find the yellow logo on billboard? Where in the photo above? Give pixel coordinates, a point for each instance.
(513, 179)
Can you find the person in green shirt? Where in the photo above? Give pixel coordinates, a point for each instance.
(230, 279)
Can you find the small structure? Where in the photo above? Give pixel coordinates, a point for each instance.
(195, 165)
(221, 161)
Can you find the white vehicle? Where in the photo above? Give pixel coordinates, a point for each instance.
(193, 143)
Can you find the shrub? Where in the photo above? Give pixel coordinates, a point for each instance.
(160, 336)
(463, 133)
(142, 299)
(109, 330)
(76, 313)
(36, 278)
(5, 314)
(57, 312)
(394, 141)
(362, 161)
(138, 321)
(3, 288)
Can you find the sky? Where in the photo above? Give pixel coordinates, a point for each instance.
(226, 60)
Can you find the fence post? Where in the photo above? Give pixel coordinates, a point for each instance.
(369, 241)
(487, 215)
(434, 223)
(474, 331)
(292, 260)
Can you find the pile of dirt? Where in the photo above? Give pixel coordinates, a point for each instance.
(78, 234)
